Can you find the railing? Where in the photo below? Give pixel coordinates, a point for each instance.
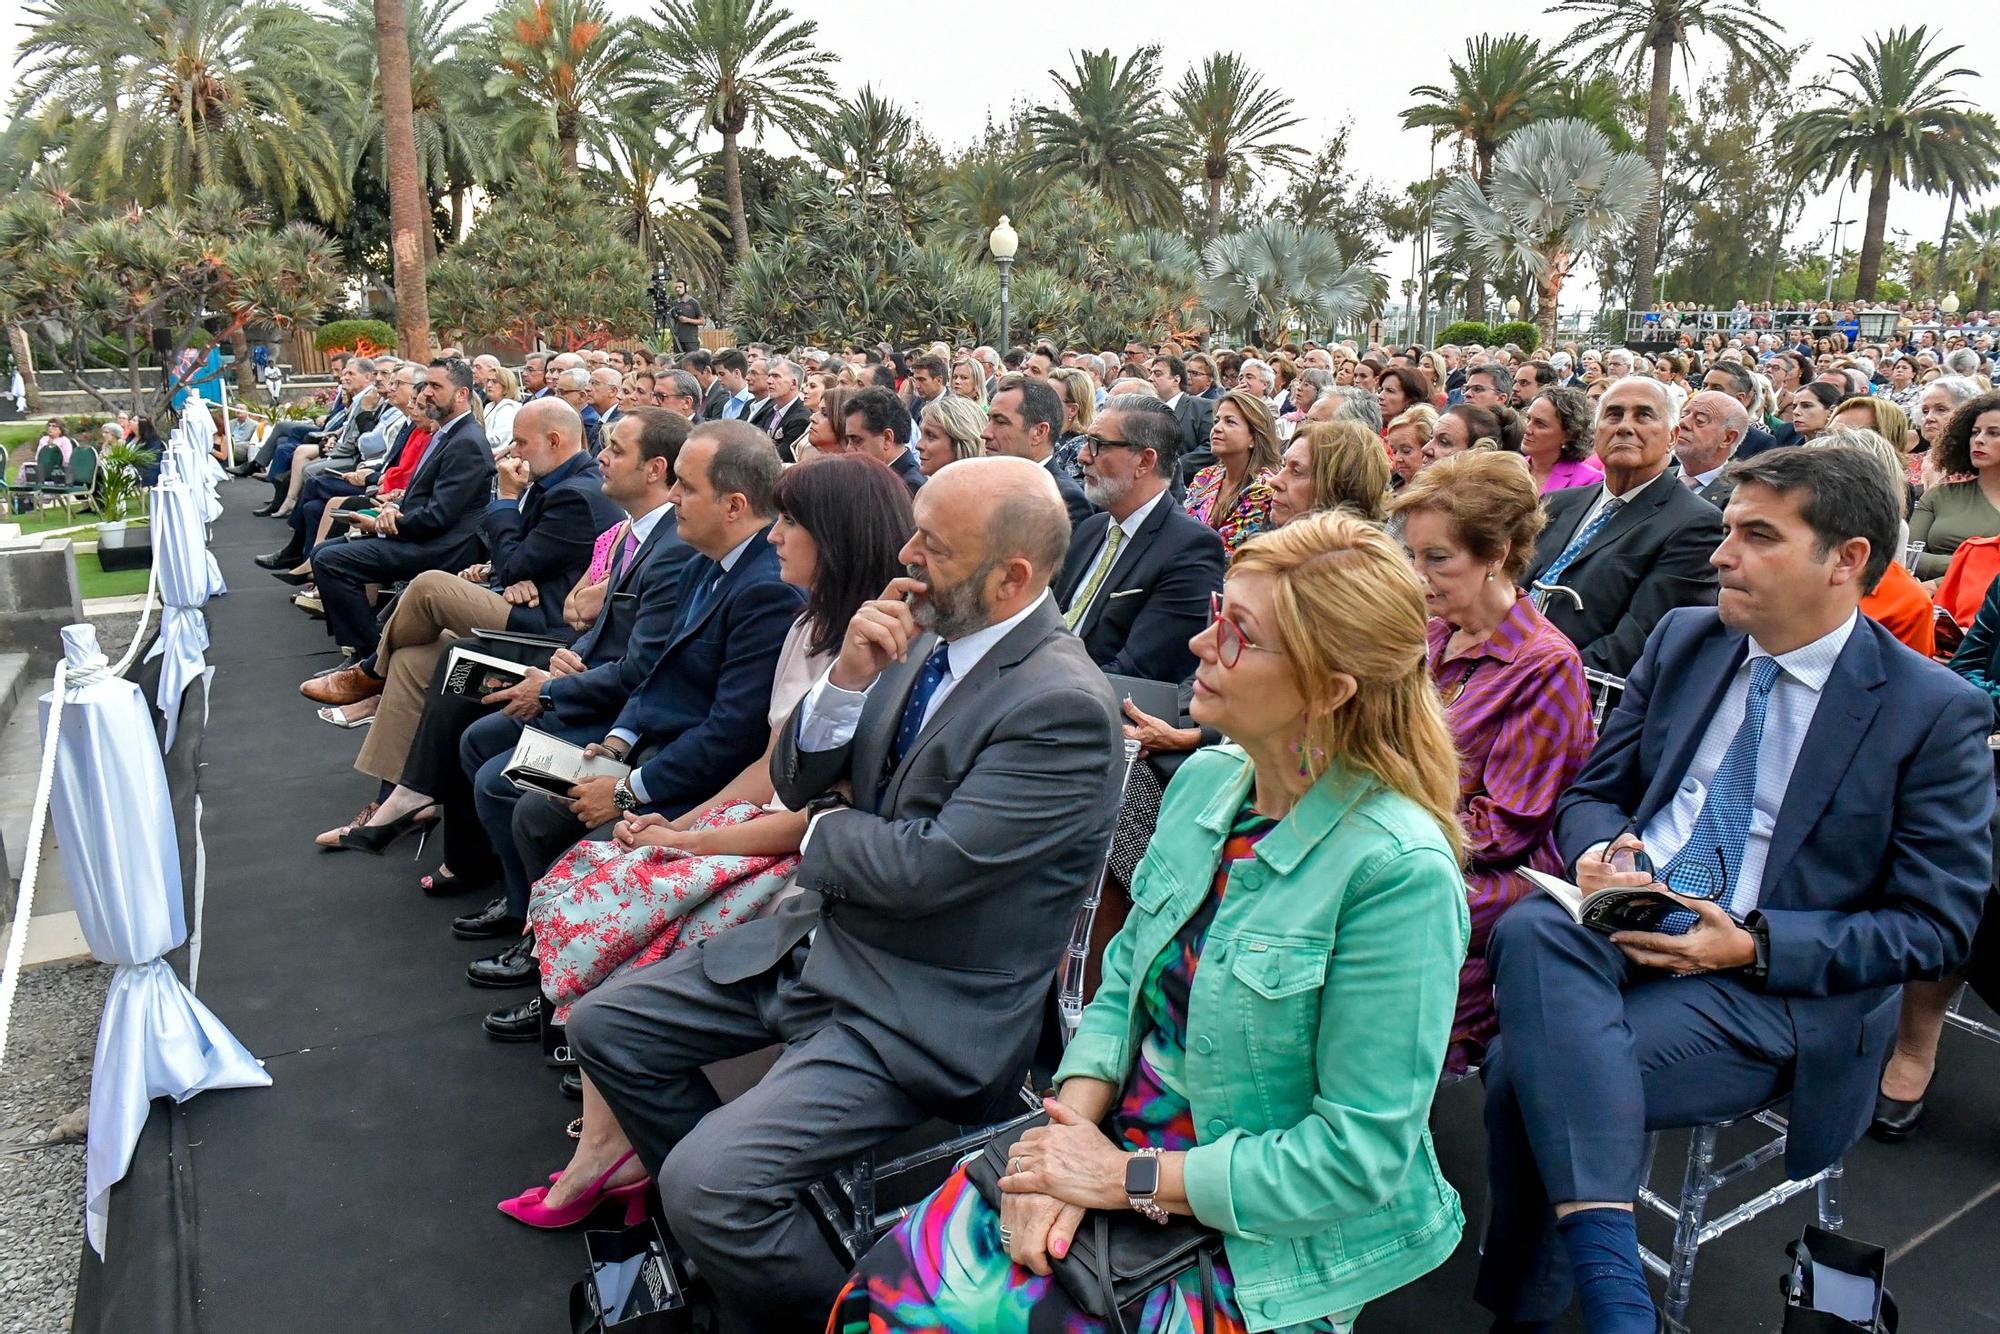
(1664, 327)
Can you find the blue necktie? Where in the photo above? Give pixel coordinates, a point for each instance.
(1554, 574)
(697, 602)
(1710, 864)
(929, 677)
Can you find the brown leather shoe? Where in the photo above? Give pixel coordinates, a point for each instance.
(348, 686)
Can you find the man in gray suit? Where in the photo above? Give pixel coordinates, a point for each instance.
(959, 761)
(1711, 427)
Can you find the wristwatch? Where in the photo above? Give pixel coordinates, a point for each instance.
(623, 797)
(1142, 1183)
(1758, 971)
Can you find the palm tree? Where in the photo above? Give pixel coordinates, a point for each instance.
(1236, 122)
(634, 163)
(559, 62)
(1558, 188)
(151, 99)
(1276, 276)
(1978, 239)
(452, 120)
(1631, 35)
(407, 212)
(736, 65)
(1492, 92)
(1898, 123)
(1110, 131)
(864, 141)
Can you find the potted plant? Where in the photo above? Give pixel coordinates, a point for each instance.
(123, 543)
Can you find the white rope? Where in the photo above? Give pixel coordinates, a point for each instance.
(38, 817)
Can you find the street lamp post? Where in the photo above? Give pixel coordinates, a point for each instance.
(1513, 307)
(1003, 242)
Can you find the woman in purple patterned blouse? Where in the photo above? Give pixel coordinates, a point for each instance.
(1513, 689)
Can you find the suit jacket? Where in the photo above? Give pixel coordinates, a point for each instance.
(1756, 440)
(712, 401)
(1879, 860)
(911, 469)
(547, 536)
(1156, 597)
(1073, 498)
(941, 914)
(1651, 558)
(1197, 419)
(629, 634)
(443, 506)
(788, 430)
(704, 710)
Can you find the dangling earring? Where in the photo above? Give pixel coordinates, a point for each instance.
(1489, 575)
(1318, 757)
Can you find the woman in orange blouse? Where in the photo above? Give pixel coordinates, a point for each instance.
(1231, 495)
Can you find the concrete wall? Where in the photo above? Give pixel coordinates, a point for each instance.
(39, 595)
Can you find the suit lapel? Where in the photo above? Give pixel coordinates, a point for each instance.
(1847, 707)
(428, 463)
(1701, 688)
(881, 716)
(1556, 539)
(752, 559)
(1128, 559)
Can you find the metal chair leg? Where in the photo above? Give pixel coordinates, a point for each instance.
(1687, 1228)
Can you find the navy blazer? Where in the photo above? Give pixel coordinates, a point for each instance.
(704, 710)
(1756, 440)
(1880, 859)
(1073, 499)
(629, 634)
(547, 537)
(1156, 597)
(911, 469)
(446, 500)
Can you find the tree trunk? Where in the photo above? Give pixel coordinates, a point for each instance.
(246, 372)
(732, 187)
(24, 361)
(1214, 207)
(1941, 280)
(1871, 239)
(457, 214)
(132, 371)
(567, 134)
(408, 218)
(1983, 294)
(1646, 254)
(1546, 294)
(1475, 274)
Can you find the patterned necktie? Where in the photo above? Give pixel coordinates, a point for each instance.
(1079, 606)
(1710, 864)
(698, 602)
(1554, 574)
(929, 677)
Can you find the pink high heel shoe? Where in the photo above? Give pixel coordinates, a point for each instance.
(528, 1208)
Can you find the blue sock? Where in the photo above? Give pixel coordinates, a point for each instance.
(1603, 1246)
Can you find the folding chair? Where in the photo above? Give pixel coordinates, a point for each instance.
(847, 1199)
(1604, 692)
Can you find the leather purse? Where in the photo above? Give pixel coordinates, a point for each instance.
(1117, 1258)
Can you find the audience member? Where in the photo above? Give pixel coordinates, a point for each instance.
(1331, 465)
(1711, 429)
(1231, 495)
(1555, 439)
(951, 431)
(878, 425)
(1022, 420)
(1406, 439)
(1949, 513)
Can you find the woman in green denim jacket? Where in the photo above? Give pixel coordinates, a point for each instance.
(1274, 1013)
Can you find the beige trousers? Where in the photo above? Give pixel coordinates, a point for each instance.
(436, 608)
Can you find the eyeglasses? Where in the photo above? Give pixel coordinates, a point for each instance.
(1092, 444)
(1230, 641)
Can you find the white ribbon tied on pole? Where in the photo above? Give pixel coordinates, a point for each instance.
(115, 830)
(186, 573)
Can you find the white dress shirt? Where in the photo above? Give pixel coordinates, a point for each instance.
(1131, 523)
(1795, 697)
(643, 526)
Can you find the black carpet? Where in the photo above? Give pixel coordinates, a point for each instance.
(357, 1193)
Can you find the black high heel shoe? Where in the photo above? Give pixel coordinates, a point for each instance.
(376, 838)
(289, 577)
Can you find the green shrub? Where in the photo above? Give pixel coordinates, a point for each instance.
(1521, 333)
(1466, 331)
(365, 337)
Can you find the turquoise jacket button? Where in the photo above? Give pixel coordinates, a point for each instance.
(1203, 1045)
(1218, 1126)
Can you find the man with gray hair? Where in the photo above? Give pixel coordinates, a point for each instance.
(1617, 363)
(678, 391)
(1345, 403)
(1963, 361)
(1136, 584)
(787, 417)
(1712, 426)
(1618, 555)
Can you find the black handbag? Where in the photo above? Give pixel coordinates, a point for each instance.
(1115, 1259)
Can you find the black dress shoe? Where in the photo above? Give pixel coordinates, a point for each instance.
(288, 577)
(489, 923)
(279, 560)
(1895, 1120)
(266, 511)
(515, 1023)
(514, 966)
(572, 1085)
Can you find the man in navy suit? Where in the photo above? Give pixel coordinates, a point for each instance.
(878, 425)
(435, 526)
(1023, 421)
(1733, 378)
(700, 715)
(1819, 796)
(1136, 584)
(625, 621)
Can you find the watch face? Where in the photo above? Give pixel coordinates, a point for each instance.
(1142, 1174)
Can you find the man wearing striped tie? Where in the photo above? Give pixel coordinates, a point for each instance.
(1818, 799)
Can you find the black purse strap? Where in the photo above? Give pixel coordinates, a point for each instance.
(1205, 1262)
(1101, 1223)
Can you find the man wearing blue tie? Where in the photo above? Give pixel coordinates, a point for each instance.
(1818, 797)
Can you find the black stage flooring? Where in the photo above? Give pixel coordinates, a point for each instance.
(357, 1193)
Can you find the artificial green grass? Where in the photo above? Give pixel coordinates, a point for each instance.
(13, 434)
(97, 582)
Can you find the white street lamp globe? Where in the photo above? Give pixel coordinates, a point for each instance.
(1004, 240)
(1513, 307)
(1950, 303)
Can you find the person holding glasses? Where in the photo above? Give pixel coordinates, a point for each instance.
(1284, 1098)
(1138, 576)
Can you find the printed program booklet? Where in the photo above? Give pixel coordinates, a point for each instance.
(550, 764)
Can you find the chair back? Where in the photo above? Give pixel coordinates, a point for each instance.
(1076, 959)
(48, 463)
(1604, 692)
(1971, 572)
(83, 467)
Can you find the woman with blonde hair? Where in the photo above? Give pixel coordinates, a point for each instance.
(951, 430)
(1284, 1100)
(1887, 420)
(1079, 396)
(503, 400)
(1231, 495)
(1404, 439)
(1330, 465)
(968, 381)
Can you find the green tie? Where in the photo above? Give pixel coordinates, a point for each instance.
(1099, 572)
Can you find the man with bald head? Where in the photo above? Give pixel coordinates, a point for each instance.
(537, 535)
(602, 411)
(1712, 428)
(1618, 555)
(959, 763)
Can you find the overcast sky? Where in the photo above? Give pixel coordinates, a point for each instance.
(1358, 62)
